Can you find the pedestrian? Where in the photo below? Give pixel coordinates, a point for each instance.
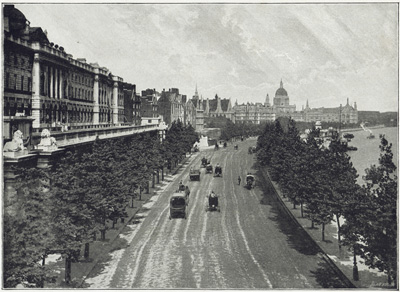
(239, 180)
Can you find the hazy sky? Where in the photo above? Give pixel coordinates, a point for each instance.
(325, 53)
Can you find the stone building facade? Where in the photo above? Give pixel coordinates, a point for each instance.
(58, 92)
(149, 100)
(345, 114)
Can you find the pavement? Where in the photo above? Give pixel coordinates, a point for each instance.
(340, 257)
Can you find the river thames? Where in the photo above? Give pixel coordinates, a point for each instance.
(368, 149)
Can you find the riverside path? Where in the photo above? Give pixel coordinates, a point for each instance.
(250, 244)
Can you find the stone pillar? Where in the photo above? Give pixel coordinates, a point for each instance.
(56, 95)
(51, 93)
(36, 92)
(61, 85)
(96, 102)
(115, 100)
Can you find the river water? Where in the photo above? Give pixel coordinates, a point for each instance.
(368, 149)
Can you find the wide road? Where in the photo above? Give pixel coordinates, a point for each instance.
(249, 244)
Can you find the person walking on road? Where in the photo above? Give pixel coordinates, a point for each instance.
(239, 180)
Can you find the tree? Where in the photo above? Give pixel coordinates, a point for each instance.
(27, 235)
(380, 239)
(73, 217)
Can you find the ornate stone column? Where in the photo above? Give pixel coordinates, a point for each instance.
(51, 93)
(115, 100)
(61, 94)
(36, 92)
(96, 101)
(56, 95)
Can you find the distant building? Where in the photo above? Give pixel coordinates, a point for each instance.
(218, 107)
(257, 113)
(132, 104)
(189, 112)
(281, 106)
(199, 105)
(170, 106)
(346, 115)
(149, 100)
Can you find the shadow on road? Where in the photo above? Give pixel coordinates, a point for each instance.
(326, 277)
(296, 236)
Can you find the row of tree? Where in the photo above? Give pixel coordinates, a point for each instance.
(62, 209)
(323, 183)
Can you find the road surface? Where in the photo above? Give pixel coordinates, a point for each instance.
(249, 244)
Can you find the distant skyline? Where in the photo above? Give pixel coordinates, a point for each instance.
(325, 53)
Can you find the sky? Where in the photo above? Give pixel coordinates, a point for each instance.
(323, 53)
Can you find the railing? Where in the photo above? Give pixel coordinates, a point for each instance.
(79, 136)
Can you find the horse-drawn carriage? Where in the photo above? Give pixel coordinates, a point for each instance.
(209, 168)
(252, 149)
(250, 181)
(194, 174)
(212, 203)
(178, 205)
(204, 162)
(218, 171)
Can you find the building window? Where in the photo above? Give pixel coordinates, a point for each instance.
(22, 83)
(8, 80)
(15, 81)
(29, 84)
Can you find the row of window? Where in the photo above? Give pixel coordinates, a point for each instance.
(17, 82)
(88, 81)
(17, 60)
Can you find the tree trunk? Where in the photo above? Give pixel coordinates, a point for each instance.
(86, 252)
(158, 176)
(153, 180)
(389, 277)
(355, 268)
(312, 224)
(148, 187)
(103, 234)
(114, 221)
(131, 201)
(68, 269)
(43, 260)
(122, 219)
(294, 205)
(323, 231)
(94, 236)
(162, 173)
(301, 208)
(338, 229)
(140, 193)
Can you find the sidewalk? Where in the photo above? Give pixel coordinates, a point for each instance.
(100, 250)
(342, 258)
